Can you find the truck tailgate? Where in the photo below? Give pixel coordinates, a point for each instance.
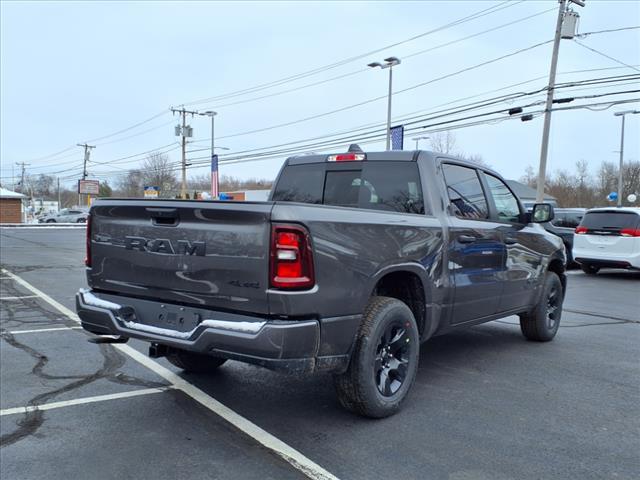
(210, 254)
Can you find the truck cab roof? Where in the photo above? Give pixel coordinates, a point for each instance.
(387, 156)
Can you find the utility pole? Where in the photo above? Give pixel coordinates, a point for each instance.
(87, 152)
(184, 132)
(622, 114)
(544, 148)
(59, 202)
(22, 165)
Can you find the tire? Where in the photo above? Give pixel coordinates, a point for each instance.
(81, 220)
(194, 362)
(387, 338)
(589, 269)
(570, 261)
(541, 324)
(51, 220)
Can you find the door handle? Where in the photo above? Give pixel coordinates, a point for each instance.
(510, 240)
(467, 238)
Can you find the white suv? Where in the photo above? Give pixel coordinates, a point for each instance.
(608, 238)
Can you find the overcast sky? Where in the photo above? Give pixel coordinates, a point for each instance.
(77, 71)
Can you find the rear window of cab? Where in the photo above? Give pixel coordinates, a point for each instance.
(387, 186)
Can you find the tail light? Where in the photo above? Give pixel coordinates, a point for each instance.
(630, 232)
(291, 258)
(87, 260)
(581, 229)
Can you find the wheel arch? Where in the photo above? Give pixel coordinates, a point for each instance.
(557, 266)
(407, 283)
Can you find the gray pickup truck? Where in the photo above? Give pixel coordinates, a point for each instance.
(356, 259)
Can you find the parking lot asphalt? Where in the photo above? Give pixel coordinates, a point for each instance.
(486, 404)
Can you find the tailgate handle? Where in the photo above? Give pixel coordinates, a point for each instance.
(163, 216)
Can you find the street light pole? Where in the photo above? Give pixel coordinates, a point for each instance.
(417, 139)
(622, 114)
(389, 63)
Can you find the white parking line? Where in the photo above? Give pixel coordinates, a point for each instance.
(82, 401)
(38, 330)
(288, 453)
(6, 299)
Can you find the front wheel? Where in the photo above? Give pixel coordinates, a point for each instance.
(589, 269)
(541, 324)
(384, 360)
(194, 362)
(51, 220)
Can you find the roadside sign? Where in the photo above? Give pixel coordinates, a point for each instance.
(89, 187)
(151, 191)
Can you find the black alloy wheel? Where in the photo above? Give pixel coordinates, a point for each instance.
(393, 355)
(554, 305)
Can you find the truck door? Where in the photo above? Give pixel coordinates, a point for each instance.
(523, 261)
(476, 251)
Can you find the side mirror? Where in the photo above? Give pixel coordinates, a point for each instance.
(542, 212)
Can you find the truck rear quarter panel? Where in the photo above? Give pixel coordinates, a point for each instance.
(353, 250)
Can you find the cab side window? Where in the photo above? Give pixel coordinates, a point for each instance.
(465, 192)
(505, 201)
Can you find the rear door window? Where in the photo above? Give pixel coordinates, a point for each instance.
(388, 186)
(610, 222)
(465, 192)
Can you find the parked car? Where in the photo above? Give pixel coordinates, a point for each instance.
(356, 259)
(65, 215)
(564, 225)
(608, 238)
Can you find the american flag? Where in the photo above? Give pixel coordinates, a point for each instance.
(214, 176)
(397, 137)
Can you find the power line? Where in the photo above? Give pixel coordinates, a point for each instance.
(586, 34)
(375, 137)
(433, 115)
(474, 16)
(606, 56)
(355, 72)
(355, 105)
(163, 112)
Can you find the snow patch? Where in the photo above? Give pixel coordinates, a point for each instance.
(91, 299)
(248, 327)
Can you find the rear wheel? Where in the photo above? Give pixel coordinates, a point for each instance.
(194, 362)
(51, 220)
(541, 324)
(384, 360)
(589, 269)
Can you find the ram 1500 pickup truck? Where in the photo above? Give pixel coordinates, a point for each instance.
(356, 259)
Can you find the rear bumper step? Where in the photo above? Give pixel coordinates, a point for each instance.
(293, 346)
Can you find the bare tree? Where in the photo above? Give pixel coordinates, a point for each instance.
(443, 142)
(157, 171)
(229, 183)
(581, 189)
(130, 184)
(529, 178)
